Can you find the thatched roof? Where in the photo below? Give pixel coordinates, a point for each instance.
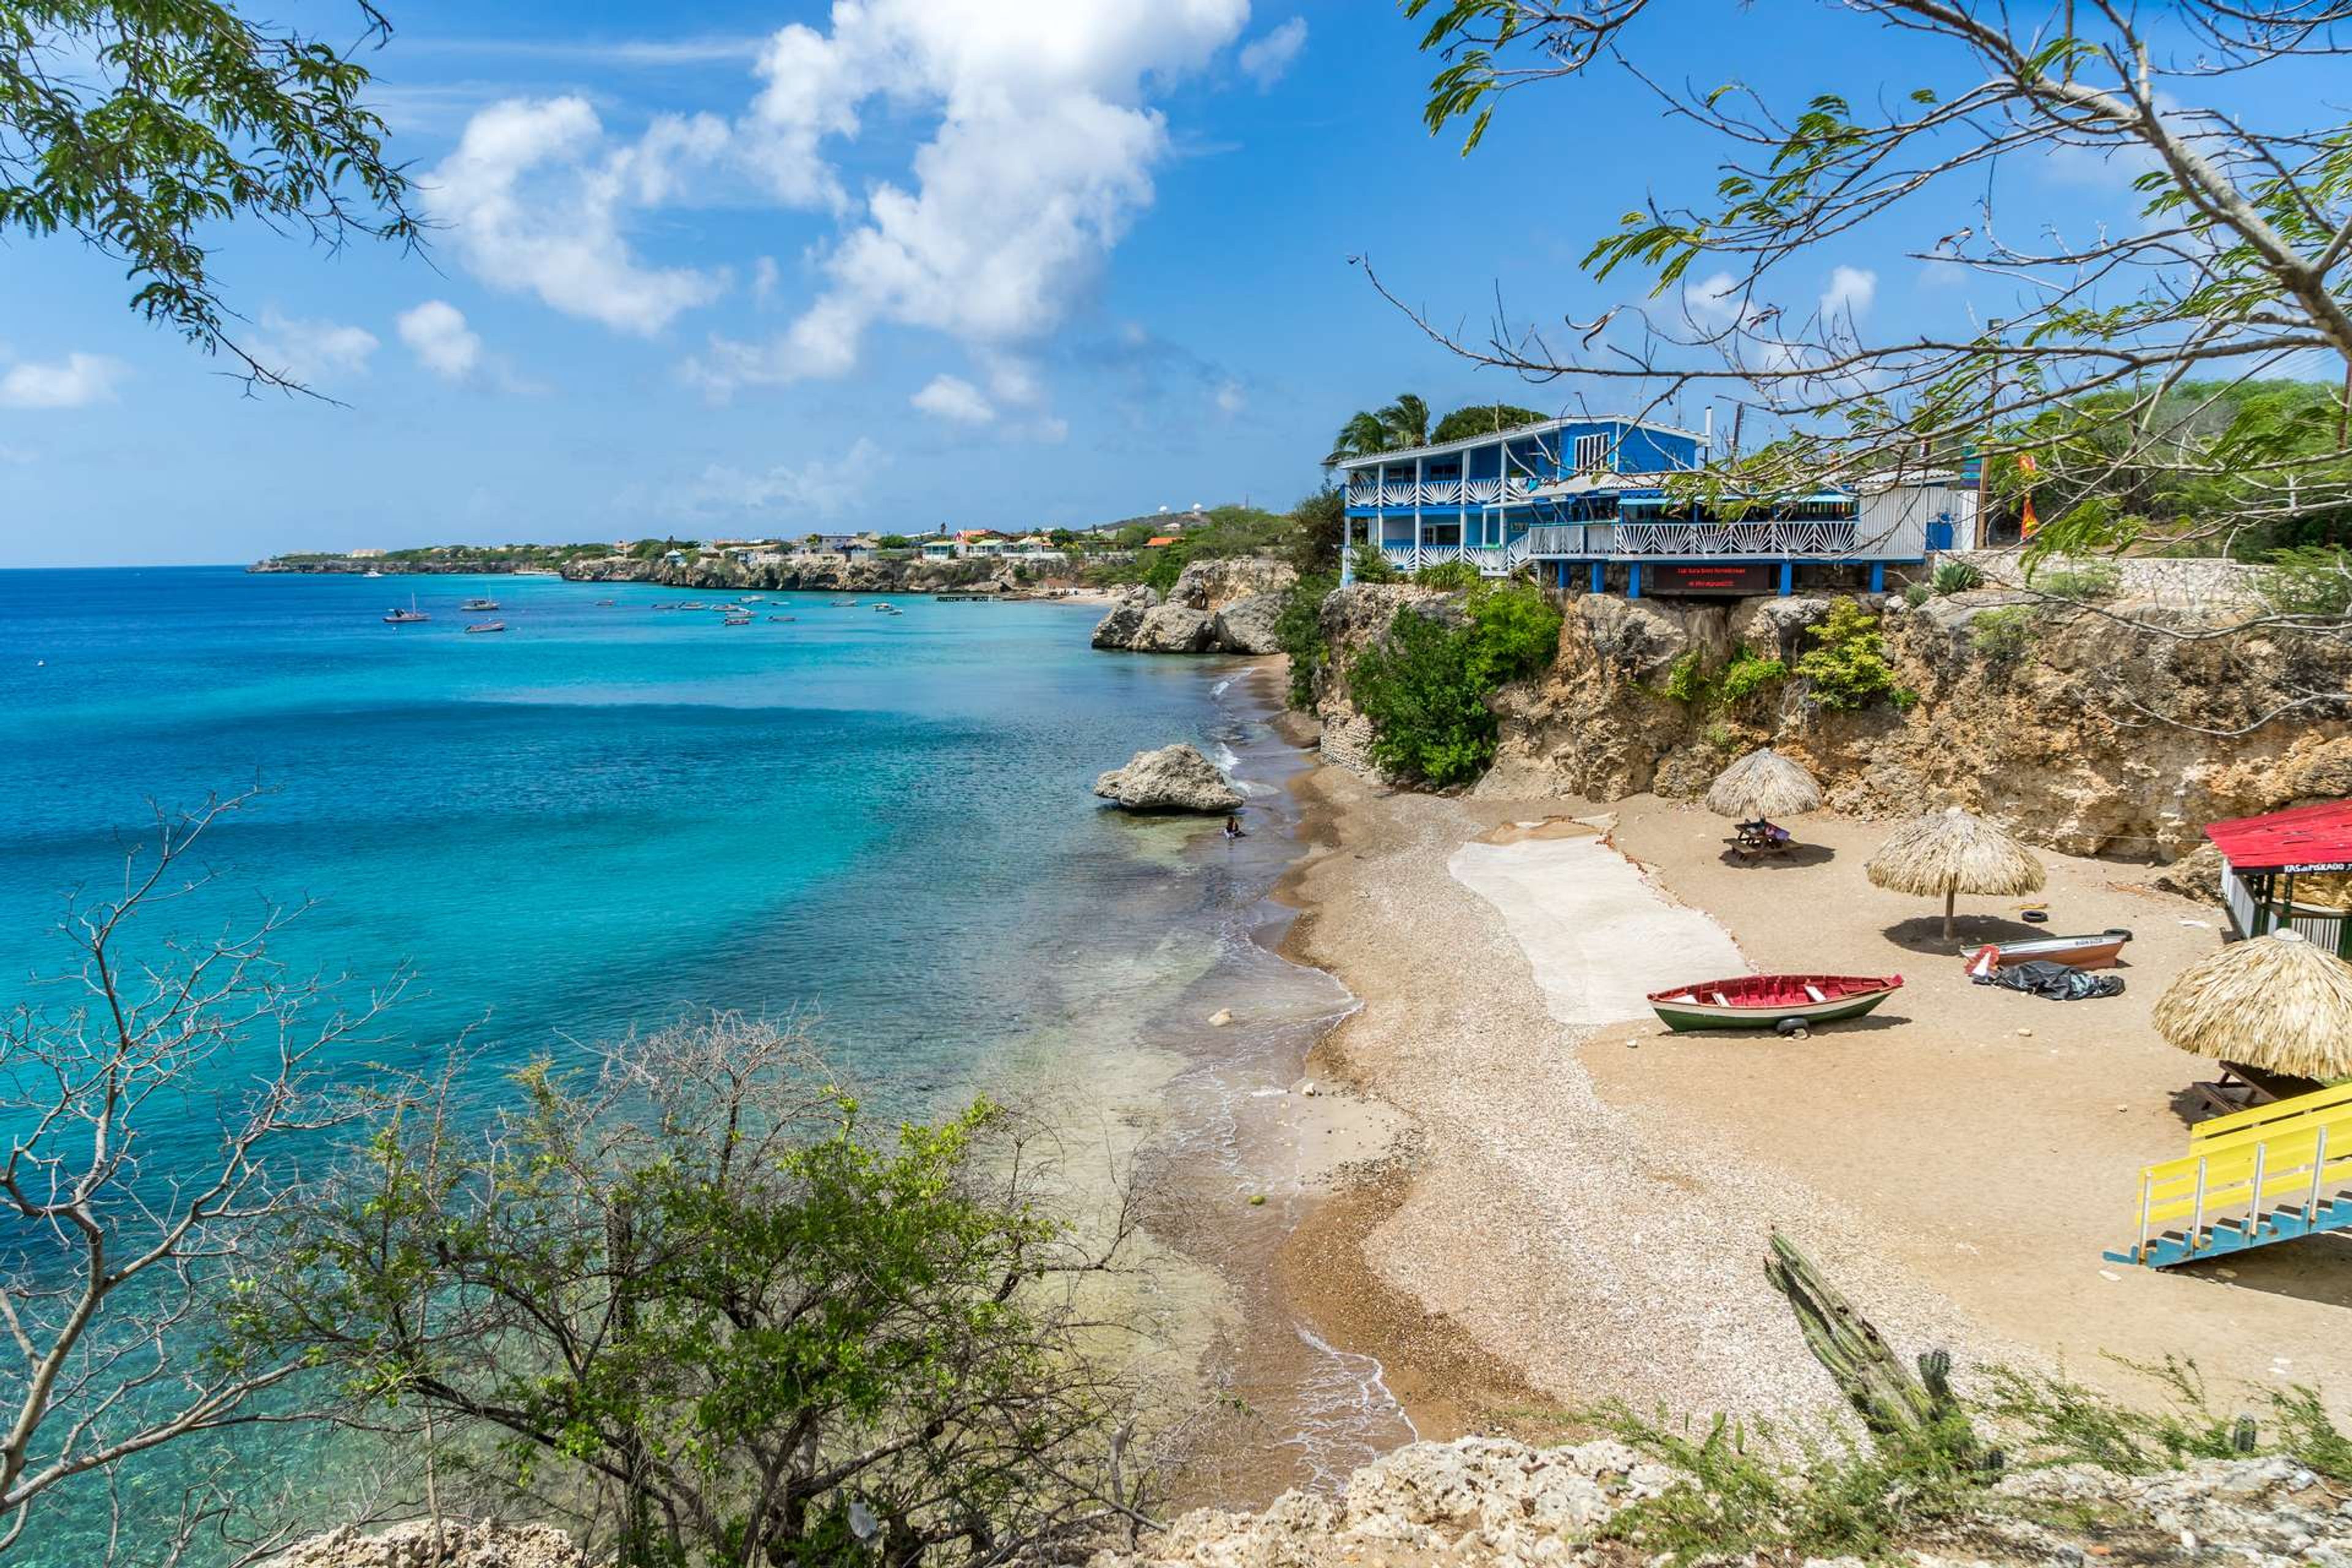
(1949, 852)
(1763, 784)
(2276, 1003)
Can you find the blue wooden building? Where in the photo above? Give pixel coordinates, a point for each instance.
(1586, 502)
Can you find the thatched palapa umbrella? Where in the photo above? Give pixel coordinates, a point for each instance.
(2277, 1003)
(1761, 786)
(1948, 853)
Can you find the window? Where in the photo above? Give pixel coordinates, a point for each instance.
(1591, 452)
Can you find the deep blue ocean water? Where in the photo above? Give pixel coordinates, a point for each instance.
(611, 816)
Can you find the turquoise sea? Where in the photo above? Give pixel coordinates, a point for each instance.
(612, 814)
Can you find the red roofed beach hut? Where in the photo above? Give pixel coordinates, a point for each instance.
(2261, 856)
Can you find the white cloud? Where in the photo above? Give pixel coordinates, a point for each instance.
(1039, 160)
(535, 198)
(953, 398)
(1231, 398)
(1264, 58)
(74, 382)
(817, 488)
(436, 333)
(764, 278)
(312, 351)
(1850, 292)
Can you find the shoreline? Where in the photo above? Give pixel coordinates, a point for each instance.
(1578, 1213)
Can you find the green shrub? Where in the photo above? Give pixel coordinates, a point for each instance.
(1955, 578)
(1849, 668)
(1918, 594)
(1686, 679)
(1372, 566)
(1746, 1493)
(1749, 674)
(1448, 574)
(2003, 636)
(2082, 585)
(1298, 627)
(2309, 580)
(1425, 685)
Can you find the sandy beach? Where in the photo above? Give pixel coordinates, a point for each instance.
(1578, 1204)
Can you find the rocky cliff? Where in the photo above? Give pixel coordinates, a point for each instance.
(1215, 606)
(2115, 728)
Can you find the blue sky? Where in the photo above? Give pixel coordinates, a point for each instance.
(760, 269)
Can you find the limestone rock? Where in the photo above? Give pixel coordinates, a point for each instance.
(1117, 629)
(418, 1544)
(1247, 626)
(2196, 875)
(1211, 586)
(1174, 629)
(1174, 778)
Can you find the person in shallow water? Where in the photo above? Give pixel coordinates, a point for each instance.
(1234, 828)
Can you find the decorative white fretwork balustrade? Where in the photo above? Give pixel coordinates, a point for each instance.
(1827, 537)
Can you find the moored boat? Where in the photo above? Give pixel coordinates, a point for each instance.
(1766, 1001)
(2099, 950)
(481, 626)
(409, 616)
(478, 605)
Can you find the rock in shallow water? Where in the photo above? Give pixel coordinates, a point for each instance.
(1174, 778)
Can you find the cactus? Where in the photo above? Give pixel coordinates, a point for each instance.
(2242, 1436)
(1936, 1372)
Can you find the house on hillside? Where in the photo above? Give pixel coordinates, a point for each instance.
(1588, 501)
(980, 542)
(939, 548)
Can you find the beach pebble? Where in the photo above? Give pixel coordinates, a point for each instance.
(1221, 1018)
(2025, 1034)
(1257, 1200)
(2109, 1274)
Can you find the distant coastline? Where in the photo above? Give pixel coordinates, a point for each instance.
(773, 570)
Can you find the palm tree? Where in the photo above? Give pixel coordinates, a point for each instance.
(1400, 425)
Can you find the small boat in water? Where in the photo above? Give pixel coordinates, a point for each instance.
(479, 605)
(736, 618)
(773, 618)
(409, 616)
(606, 603)
(2098, 951)
(479, 628)
(1769, 1001)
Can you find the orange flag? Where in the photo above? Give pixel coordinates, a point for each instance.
(2026, 466)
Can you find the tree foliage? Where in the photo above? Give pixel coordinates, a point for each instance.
(1483, 419)
(1847, 667)
(2129, 358)
(1427, 684)
(137, 126)
(125, 1231)
(695, 1301)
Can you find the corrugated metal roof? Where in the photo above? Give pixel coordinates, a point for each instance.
(1546, 427)
(2308, 836)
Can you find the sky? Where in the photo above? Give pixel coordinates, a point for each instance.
(741, 270)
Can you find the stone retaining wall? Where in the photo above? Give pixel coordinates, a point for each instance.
(2198, 583)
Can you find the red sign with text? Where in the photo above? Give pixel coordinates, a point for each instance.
(1731, 577)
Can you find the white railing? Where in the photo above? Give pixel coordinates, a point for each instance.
(1492, 560)
(1441, 493)
(1363, 488)
(1564, 538)
(1401, 557)
(1828, 537)
(1520, 487)
(1484, 492)
(1396, 492)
